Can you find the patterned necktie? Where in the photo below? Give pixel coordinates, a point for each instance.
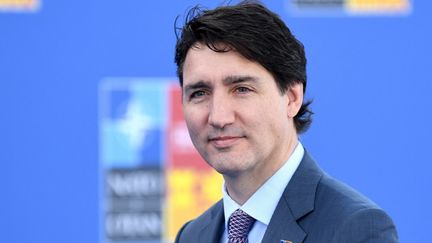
(238, 227)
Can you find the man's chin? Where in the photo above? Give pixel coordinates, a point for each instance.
(230, 170)
(230, 163)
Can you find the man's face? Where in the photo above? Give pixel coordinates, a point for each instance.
(237, 118)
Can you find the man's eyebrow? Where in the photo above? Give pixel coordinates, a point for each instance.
(197, 85)
(239, 79)
(234, 79)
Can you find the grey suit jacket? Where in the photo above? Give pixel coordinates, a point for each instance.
(313, 208)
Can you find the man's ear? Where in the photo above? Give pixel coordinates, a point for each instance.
(295, 99)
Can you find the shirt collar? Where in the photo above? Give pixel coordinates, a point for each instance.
(263, 202)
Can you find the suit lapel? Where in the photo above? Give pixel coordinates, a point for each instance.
(213, 229)
(297, 200)
(283, 226)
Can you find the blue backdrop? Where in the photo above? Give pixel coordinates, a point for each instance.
(368, 75)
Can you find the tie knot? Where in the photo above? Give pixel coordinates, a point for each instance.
(239, 225)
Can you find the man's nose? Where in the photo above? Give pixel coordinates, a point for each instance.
(221, 111)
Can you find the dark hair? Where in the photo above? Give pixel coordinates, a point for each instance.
(257, 34)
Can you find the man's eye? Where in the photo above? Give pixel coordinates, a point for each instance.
(242, 90)
(197, 94)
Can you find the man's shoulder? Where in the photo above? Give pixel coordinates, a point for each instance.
(341, 196)
(189, 231)
(330, 209)
(348, 214)
(330, 193)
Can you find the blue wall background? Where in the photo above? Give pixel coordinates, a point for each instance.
(369, 77)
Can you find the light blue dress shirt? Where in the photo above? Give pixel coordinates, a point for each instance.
(263, 202)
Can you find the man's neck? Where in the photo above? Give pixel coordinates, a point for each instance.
(243, 185)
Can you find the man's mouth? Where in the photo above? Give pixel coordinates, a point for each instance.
(224, 141)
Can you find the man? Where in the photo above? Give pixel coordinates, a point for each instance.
(243, 77)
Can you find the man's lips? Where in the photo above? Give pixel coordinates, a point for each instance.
(224, 141)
